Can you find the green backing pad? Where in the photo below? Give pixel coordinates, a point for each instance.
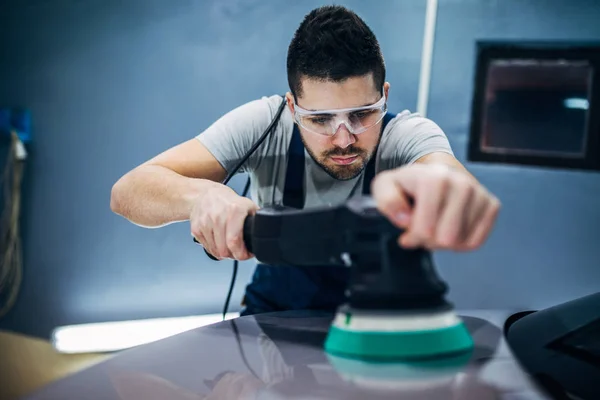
(388, 345)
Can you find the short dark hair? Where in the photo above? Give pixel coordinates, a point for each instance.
(333, 43)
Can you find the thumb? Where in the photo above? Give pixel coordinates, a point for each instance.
(391, 198)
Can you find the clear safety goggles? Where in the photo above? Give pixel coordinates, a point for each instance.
(327, 122)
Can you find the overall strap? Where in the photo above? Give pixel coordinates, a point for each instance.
(293, 194)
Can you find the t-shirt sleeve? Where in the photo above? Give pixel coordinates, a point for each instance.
(411, 137)
(231, 136)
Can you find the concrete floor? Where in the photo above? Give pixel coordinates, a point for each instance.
(26, 364)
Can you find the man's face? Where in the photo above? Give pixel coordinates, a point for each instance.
(342, 155)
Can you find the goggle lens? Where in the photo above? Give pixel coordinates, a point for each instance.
(328, 122)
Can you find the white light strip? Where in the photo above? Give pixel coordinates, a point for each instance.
(427, 56)
(113, 336)
(577, 103)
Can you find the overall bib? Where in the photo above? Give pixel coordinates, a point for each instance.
(282, 287)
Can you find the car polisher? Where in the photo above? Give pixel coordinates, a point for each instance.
(395, 305)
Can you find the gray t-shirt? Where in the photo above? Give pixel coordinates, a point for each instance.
(405, 139)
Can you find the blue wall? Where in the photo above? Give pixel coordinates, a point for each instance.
(544, 249)
(110, 84)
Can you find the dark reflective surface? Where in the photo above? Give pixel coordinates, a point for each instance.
(560, 346)
(280, 356)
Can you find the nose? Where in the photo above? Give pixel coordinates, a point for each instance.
(343, 137)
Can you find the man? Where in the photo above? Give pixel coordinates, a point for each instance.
(336, 119)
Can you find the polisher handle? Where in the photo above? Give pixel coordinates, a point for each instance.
(247, 236)
(247, 233)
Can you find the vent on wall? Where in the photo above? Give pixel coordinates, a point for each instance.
(536, 104)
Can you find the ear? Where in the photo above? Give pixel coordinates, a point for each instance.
(289, 97)
(386, 89)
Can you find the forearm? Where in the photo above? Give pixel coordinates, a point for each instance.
(446, 160)
(153, 196)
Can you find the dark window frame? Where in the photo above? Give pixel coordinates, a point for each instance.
(488, 51)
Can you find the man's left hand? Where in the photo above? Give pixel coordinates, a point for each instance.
(437, 206)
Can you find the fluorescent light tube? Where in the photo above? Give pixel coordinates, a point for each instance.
(577, 103)
(120, 335)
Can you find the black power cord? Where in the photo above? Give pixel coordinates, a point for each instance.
(235, 266)
(244, 193)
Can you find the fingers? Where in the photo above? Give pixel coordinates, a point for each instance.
(219, 224)
(202, 232)
(235, 233)
(431, 197)
(481, 230)
(205, 235)
(446, 208)
(452, 227)
(391, 199)
(478, 209)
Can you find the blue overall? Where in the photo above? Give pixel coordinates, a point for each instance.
(283, 288)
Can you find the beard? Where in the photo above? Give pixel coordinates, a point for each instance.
(341, 172)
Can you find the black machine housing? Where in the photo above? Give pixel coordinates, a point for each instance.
(355, 235)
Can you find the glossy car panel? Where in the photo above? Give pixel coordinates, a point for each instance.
(280, 356)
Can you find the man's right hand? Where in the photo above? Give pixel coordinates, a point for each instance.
(217, 222)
